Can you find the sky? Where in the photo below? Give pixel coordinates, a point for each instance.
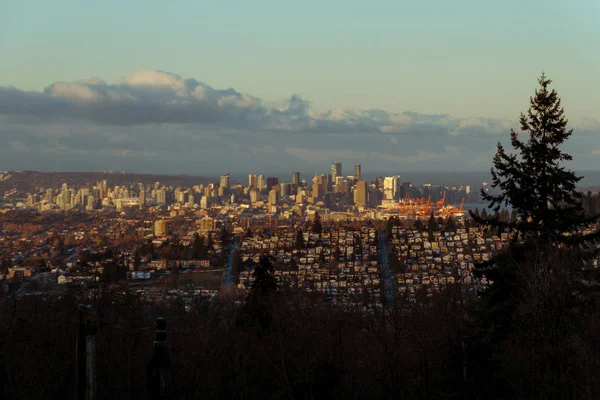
(188, 86)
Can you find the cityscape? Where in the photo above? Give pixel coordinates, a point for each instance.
(261, 215)
(299, 200)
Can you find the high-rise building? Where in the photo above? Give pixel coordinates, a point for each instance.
(319, 186)
(295, 178)
(224, 183)
(360, 193)
(252, 180)
(357, 171)
(161, 196)
(255, 195)
(285, 189)
(274, 196)
(391, 188)
(261, 182)
(336, 170)
(272, 181)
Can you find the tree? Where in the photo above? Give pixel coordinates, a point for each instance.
(317, 227)
(258, 305)
(534, 180)
(450, 225)
(248, 233)
(549, 221)
(299, 244)
(432, 224)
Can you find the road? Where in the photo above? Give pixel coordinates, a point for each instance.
(230, 250)
(388, 279)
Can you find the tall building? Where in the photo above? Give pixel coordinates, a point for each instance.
(295, 178)
(357, 171)
(272, 181)
(261, 182)
(391, 188)
(319, 186)
(360, 193)
(336, 170)
(224, 182)
(274, 196)
(285, 189)
(252, 180)
(255, 195)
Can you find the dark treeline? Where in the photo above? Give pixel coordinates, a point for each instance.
(301, 346)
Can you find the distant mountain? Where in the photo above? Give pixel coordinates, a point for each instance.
(32, 180)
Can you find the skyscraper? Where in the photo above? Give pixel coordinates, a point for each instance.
(336, 170)
(295, 178)
(360, 193)
(357, 172)
(224, 182)
(252, 180)
(272, 181)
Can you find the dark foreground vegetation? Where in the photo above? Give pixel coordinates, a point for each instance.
(532, 334)
(300, 346)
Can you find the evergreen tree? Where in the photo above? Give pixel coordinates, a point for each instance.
(299, 244)
(484, 216)
(432, 224)
(547, 215)
(317, 227)
(418, 225)
(263, 288)
(450, 225)
(534, 180)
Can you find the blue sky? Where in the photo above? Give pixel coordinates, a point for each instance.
(465, 58)
(342, 70)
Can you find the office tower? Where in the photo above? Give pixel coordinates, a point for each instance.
(161, 196)
(224, 182)
(357, 171)
(391, 188)
(295, 178)
(255, 195)
(405, 189)
(261, 182)
(274, 196)
(142, 198)
(336, 170)
(272, 181)
(252, 180)
(204, 203)
(285, 189)
(360, 193)
(319, 186)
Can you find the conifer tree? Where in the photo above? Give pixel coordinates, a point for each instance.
(317, 227)
(534, 180)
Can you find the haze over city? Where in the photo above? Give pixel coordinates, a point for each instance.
(190, 88)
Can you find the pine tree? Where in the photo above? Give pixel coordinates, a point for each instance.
(547, 215)
(534, 180)
(299, 244)
(316, 225)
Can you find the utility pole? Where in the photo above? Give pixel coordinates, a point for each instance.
(85, 373)
(157, 378)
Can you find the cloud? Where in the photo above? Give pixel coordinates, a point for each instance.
(160, 122)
